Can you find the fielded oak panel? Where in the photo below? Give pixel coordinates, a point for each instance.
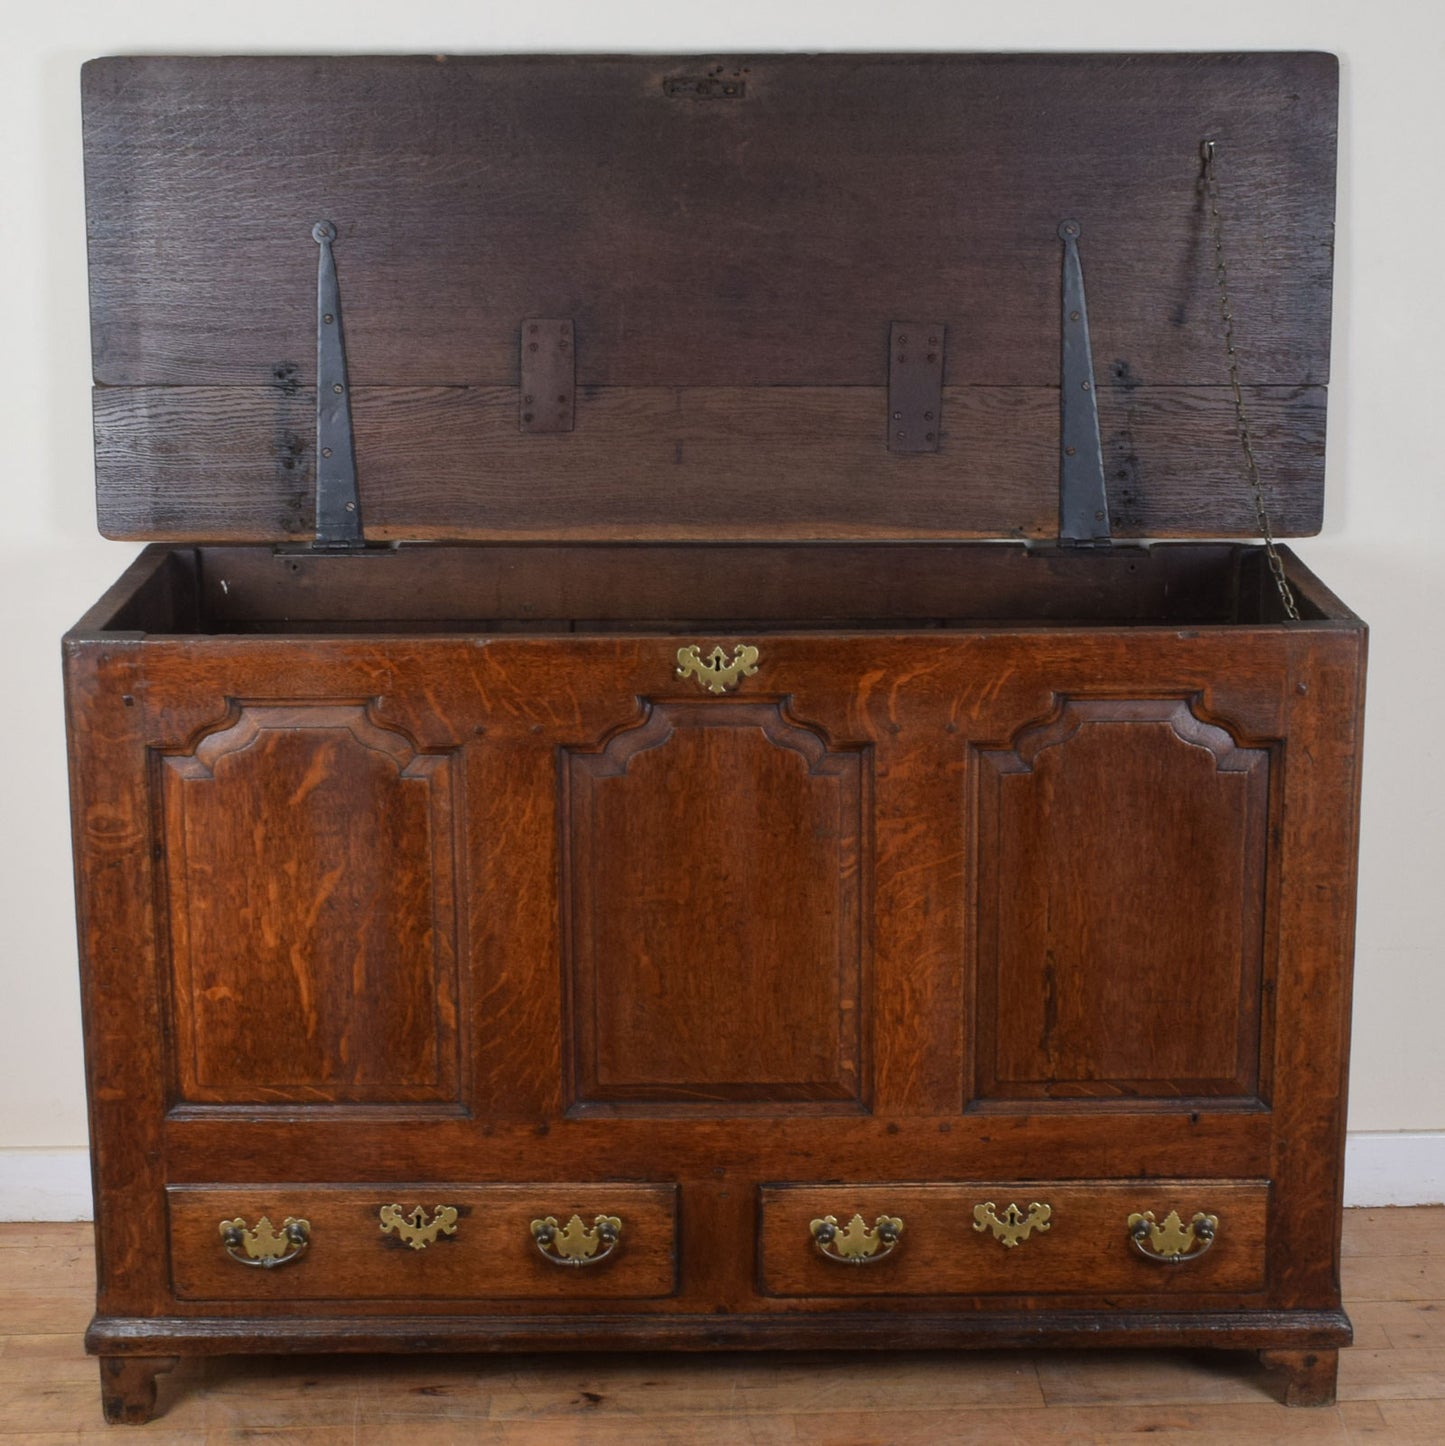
(311, 873)
(715, 871)
(1122, 870)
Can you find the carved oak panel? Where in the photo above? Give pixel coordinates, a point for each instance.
(715, 883)
(310, 862)
(1121, 866)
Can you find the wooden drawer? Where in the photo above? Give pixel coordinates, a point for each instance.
(490, 1250)
(1082, 1246)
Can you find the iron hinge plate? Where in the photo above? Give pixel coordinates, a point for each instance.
(915, 385)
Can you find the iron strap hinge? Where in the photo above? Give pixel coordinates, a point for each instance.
(338, 503)
(1083, 497)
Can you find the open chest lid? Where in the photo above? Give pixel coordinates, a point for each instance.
(774, 297)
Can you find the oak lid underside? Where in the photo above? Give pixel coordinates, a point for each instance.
(731, 264)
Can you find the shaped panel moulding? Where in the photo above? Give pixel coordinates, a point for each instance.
(715, 880)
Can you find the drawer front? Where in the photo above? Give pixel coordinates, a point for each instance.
(1012, 1238)
(423, 1242)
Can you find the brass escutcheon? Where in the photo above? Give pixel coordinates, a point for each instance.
(415, 1229)
(715, 672)
(1013, 1225)
(1172, 1242)
(575, 1243)
(856, 1243)
(265, 1246)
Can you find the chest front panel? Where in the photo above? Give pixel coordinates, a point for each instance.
(871, 879)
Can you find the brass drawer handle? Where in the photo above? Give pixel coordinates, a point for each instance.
(715, 672)
(575, 1243)
(264, 1246)
(415, 1229)
(856, 1243)
(1172, 1242)
(1013, 1225)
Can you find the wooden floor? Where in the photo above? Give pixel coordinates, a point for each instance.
(1392, 1382)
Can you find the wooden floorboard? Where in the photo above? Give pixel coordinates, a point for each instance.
(1392, 1382)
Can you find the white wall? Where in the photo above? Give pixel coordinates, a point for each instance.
(1382, 548)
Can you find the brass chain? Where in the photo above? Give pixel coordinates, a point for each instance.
(1241, 417)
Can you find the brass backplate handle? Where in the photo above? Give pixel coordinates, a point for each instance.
(1172, 1242)
(575, 1243)
(414, 1228)
(856, 1243)
(1014, 1225)
(716, 672)
(265, 1246)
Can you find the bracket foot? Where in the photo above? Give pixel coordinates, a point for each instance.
(128, 1387)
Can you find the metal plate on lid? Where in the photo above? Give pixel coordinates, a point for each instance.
(915, 385)
(548, 366)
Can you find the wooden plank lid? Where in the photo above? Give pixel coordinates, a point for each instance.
(731, 249)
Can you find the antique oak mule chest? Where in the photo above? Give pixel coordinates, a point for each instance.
(659, 788)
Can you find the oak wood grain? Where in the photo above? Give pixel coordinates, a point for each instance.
(717, 888)
(1081, 1247)
(702, 243)
(730, 268)
(769, 463)
(491, 1254)
(604, 587)
(1135, 969)
(313, 959)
